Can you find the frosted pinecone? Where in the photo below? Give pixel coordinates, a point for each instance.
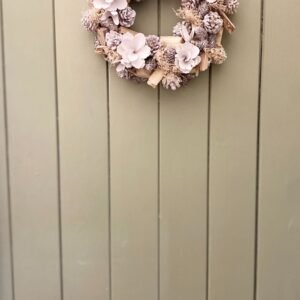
(169, 55)
(200, 33)
(127, 16)
(200, 44)
(151, 64)
(232, 6)
(171, 81)
(153, 41)
(203, 9)
(91, 19)
(212, 38)
(186, 78)
(190, 4)
(217, 55)
(113, 39)
(213, 22)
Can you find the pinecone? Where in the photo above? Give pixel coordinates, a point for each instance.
(151, 64)
(91, 19)
(200, 44)
(232, 6)
(171, 81)
(169, 55)
(213, 22)
(212, 38)
(190, 4)
(217, 55)
(186, 78)
(153, 41)
(127, 16)
(200, 33)
(113, 39)
(203, 9)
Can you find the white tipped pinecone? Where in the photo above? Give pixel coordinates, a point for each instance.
(169, 55)
(217, 55)
(190, 4)
(151, 64)
(213, 22)
(127, 16)
(153, 41)
(171, 81)
(91, 19)
(203, 9)
(186, 78)
(113, 39)
(232, 6)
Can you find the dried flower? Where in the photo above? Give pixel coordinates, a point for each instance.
(187, 57)
(133, 50)
(110, 5)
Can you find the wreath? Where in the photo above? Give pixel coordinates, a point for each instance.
(171, 60)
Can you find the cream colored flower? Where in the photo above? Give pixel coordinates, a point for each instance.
(110, 5)
(187, 57)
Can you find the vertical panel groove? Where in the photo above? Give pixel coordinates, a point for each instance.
(258, 151)
(158, 161)
(8, 186)
(207, 181)
(109, 183)
(60, 238)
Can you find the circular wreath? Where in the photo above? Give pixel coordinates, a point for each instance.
(172, 60)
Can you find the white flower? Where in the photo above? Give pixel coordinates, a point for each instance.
(113, 15)
(187, 57)
(133, 50)
(110, 5)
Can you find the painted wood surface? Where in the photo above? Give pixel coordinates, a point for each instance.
(111, 190)
(32, 143)
(279, 176)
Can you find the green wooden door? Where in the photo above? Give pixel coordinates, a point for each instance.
(114, 191)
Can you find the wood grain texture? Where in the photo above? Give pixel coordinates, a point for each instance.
(83, 131)
(279, 184)
(134, 160)
(183, 183)
(29, 63)
(233, 147)
(6, 287)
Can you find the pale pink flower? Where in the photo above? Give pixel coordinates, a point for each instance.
(133, 50)
(110, 5)
(187, 57)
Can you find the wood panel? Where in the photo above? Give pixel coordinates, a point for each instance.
(6, 288)
(29, 63)
(279, 184)
(134, 160)
(233, 147)
(82, 99)
(183, 183)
